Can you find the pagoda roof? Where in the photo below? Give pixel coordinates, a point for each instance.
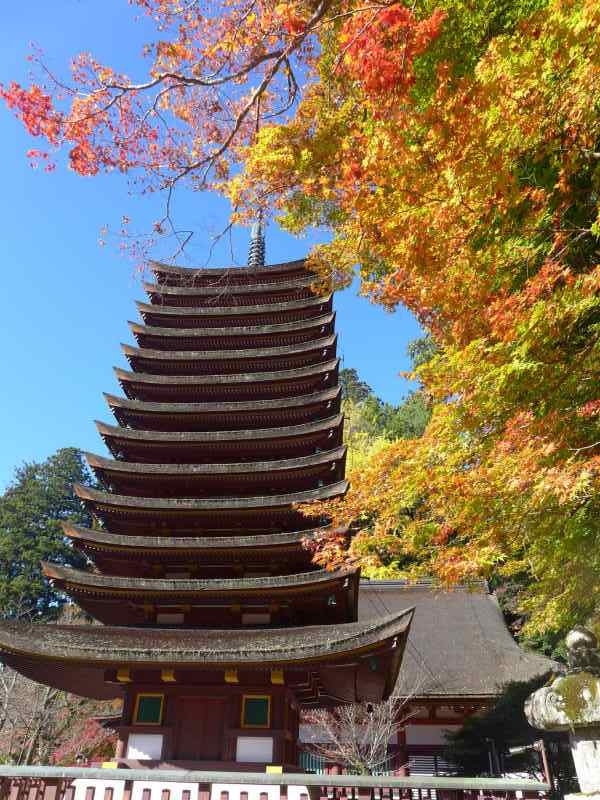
(231, 310)
(76, 657)
(282, 375)
(242, 330)
(105, 540)
(223, 288)
(190, 273)
(230, 407)
(264, 647)
(171, 587)
(175, 437)
(143, 468)
(207, 504)
(217, 355)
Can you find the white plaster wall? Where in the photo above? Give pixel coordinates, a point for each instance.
(428, 734)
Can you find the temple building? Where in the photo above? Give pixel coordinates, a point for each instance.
(210, 619)
(459, 657)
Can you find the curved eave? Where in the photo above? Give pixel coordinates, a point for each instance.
(233, 310)
(104, 540)
(109, 501)
(108, 647)
(189, 274)
(78, 580)
(191, 437)
(329, 395)
(243, 330)
(218, 355)
(136, 468)
(221, 289)
(125, 376)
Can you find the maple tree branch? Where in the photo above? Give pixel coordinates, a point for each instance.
(188, 80)
(584, 447)
(209, 161)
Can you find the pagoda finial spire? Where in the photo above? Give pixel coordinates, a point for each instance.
(256, 252)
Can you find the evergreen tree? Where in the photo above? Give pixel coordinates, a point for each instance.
(353, 389)
(407, 420)
(370, 421)
(31, 509)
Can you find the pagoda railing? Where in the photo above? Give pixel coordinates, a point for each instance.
(83, 783)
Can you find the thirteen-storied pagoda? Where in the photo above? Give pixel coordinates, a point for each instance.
(215, 626)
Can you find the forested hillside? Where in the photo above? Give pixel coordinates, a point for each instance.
(39, 724)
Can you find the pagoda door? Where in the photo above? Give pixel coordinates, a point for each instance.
(199, 728)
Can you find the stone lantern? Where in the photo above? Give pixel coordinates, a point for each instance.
(572, 703)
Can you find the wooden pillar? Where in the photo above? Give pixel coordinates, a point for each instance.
(402, 754)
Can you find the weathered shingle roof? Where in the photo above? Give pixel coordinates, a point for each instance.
(191, 504)
(234, 406)
(458, 645)
(242, 467)
(266, 646)
(174, 437)
(229, 310)
(262, 541)
(177, 586)
(219, 272)
(221, 355)
(223, 288)
(230, 330)
(124, 375)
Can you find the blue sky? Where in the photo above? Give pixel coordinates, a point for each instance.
(65, 299)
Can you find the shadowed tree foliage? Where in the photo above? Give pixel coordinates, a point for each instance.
(31, 510)
(504, 725)
(482, 746)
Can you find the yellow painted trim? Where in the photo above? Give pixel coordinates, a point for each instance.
(168, 676)
(266, 697)
(137, 707)
(277, 678)
(124, 675)
(231, 676)
(274, 769)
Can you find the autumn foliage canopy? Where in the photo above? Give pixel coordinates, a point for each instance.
(453, 150)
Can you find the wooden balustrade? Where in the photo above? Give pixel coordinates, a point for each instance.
(78, 783)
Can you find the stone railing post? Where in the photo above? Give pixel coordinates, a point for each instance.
(572, 703)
